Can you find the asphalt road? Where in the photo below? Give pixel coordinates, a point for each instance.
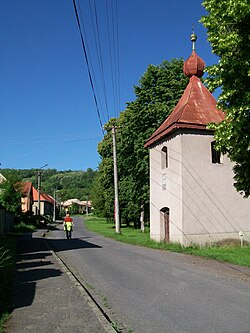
(151, 291)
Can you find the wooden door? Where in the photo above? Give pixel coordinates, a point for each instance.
(165, 221)
(166, 224)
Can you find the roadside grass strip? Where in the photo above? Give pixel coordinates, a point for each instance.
(228, 251)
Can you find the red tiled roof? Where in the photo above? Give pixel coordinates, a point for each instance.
(195, 110)
(26, 188)
(43, 196)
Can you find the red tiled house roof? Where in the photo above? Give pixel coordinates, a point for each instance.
(43, 196)
(26, 188)
(27, 196)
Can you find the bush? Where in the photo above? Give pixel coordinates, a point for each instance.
(24, 227)
(7, 269)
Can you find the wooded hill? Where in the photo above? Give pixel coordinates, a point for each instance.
(68, 184)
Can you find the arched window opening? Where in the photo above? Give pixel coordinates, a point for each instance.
(216, 154)
(164, 157)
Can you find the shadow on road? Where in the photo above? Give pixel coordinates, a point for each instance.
(70, 244)
(35, 263)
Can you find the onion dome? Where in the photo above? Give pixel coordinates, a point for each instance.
(194, 65)
(195, 109)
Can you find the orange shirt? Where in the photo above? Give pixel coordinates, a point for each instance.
(68, 219)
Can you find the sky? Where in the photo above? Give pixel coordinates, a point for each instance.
(48, 113)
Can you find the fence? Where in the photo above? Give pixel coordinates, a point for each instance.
(6, 221)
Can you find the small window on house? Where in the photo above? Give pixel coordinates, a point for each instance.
(216, 155)
(164, 157)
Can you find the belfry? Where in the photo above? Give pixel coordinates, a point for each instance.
(192, 197)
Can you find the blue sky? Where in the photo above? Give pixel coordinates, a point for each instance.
(47, 109)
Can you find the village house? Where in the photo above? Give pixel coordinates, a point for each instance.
(83, 206)
(192, 197)
(46, 203)
(27, 197)
(2, 178)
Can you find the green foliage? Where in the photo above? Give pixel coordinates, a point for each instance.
(97, 195)
(74, 209)
(4, 257)
(158, 92)
(7, 268)
(106, 229)
(69, 184)
(23, 227)
(228, 28)
(11, 193)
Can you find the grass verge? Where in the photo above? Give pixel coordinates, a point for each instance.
(22, 228)
(8, 244)
(234, 254)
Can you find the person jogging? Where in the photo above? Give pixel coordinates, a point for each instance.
(68, 225)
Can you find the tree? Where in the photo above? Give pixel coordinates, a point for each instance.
(70, 184)
(10, 195)
(228, 27)
(97, 196)
(158, 92)
(103, 191)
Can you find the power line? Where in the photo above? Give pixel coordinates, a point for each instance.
(87, 62)
(110, 56)
(117, 56)
(106, 76)
(90, 62)
(112, 25)
(99, 53)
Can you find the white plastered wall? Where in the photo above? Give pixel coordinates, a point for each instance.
(168, 196)
(212, 208)
(204, 205)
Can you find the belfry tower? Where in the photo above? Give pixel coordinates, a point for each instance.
(192, 197)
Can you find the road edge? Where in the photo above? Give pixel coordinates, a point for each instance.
(107, 325)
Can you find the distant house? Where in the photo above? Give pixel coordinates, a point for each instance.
(46, 203)
(192, 197)
(81, 205)
(27, 197)
(2, 178)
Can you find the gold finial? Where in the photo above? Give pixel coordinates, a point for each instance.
(193, 38)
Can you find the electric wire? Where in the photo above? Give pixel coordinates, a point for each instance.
(113, 48)
(97, 52)
(100, 56)
(88, 66)
(113, 75)
(90, 60)
(110, 57)
(117, 58)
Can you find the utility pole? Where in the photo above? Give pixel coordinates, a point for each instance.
(87, 207)
(39, 189)
(117, 218)
(142, 218)
(54, 210)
